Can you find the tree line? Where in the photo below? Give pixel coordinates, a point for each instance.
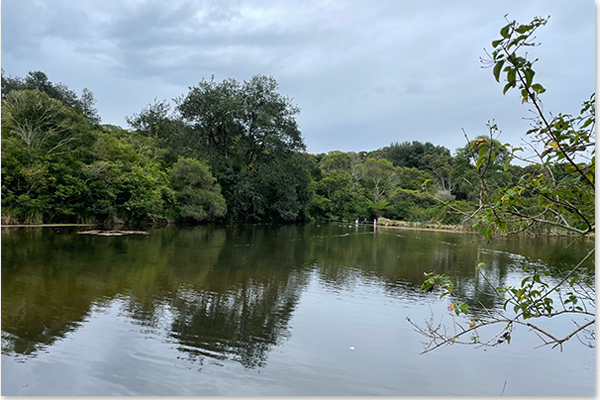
(227, 152)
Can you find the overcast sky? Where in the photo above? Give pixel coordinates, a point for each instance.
(364, 73)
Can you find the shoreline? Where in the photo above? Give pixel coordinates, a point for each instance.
(587, 237)
(424, 229)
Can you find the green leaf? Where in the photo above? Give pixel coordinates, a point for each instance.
(524, 28)
(480, 162)
(538, 88)
(498, 69)
(505, 32)
(516, 308)
(511, 76)
(572, 281)
(495, 43)
(486, 231)
(482, 150)
(529, 73)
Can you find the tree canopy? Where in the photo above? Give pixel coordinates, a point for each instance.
(243, 142)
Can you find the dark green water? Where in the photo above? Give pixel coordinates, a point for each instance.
(265, 310)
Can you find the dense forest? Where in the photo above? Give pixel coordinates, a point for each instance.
(228, 152)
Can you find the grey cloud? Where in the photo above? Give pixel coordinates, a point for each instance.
(364, 73)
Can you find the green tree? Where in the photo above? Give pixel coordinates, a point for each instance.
(563, 190)
(441, 168)
(278, 191)
(269, 120)
(249, 135)
(244, 121)
(412, 178)
(44, 145)
(124, 184)
(340, 191)
(380, 178)
(39, 81)
(336, 161)
(87, 107)
(410, 154)
(43, 123)
(198, 196)
(57, 167)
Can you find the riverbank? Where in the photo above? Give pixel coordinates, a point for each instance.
(422, 226)
(381, 223)
(416, 228)
(388, 223)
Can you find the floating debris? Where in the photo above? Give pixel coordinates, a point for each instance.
(112, 233)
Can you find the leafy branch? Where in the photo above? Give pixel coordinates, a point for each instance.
(557, 191)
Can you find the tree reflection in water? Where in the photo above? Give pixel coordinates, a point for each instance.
(230, 293)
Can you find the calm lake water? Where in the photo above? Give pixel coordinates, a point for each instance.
(266, 310)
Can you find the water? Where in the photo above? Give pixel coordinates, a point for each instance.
(266, 310)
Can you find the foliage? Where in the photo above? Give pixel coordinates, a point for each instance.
(248, 133)
(123, 183)
(39, 81)
(43, 124)
(246, 121)
(558, 190)
(156, 123)
(411, 154)
(198, 196)
(380, 178)
(339, 161)
(57, 168)
(60, 165)
(481, 168)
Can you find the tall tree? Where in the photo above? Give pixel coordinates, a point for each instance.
(381, 179)
(244, 121)
(248, 133)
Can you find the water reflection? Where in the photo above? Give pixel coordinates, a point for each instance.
(229, 294)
